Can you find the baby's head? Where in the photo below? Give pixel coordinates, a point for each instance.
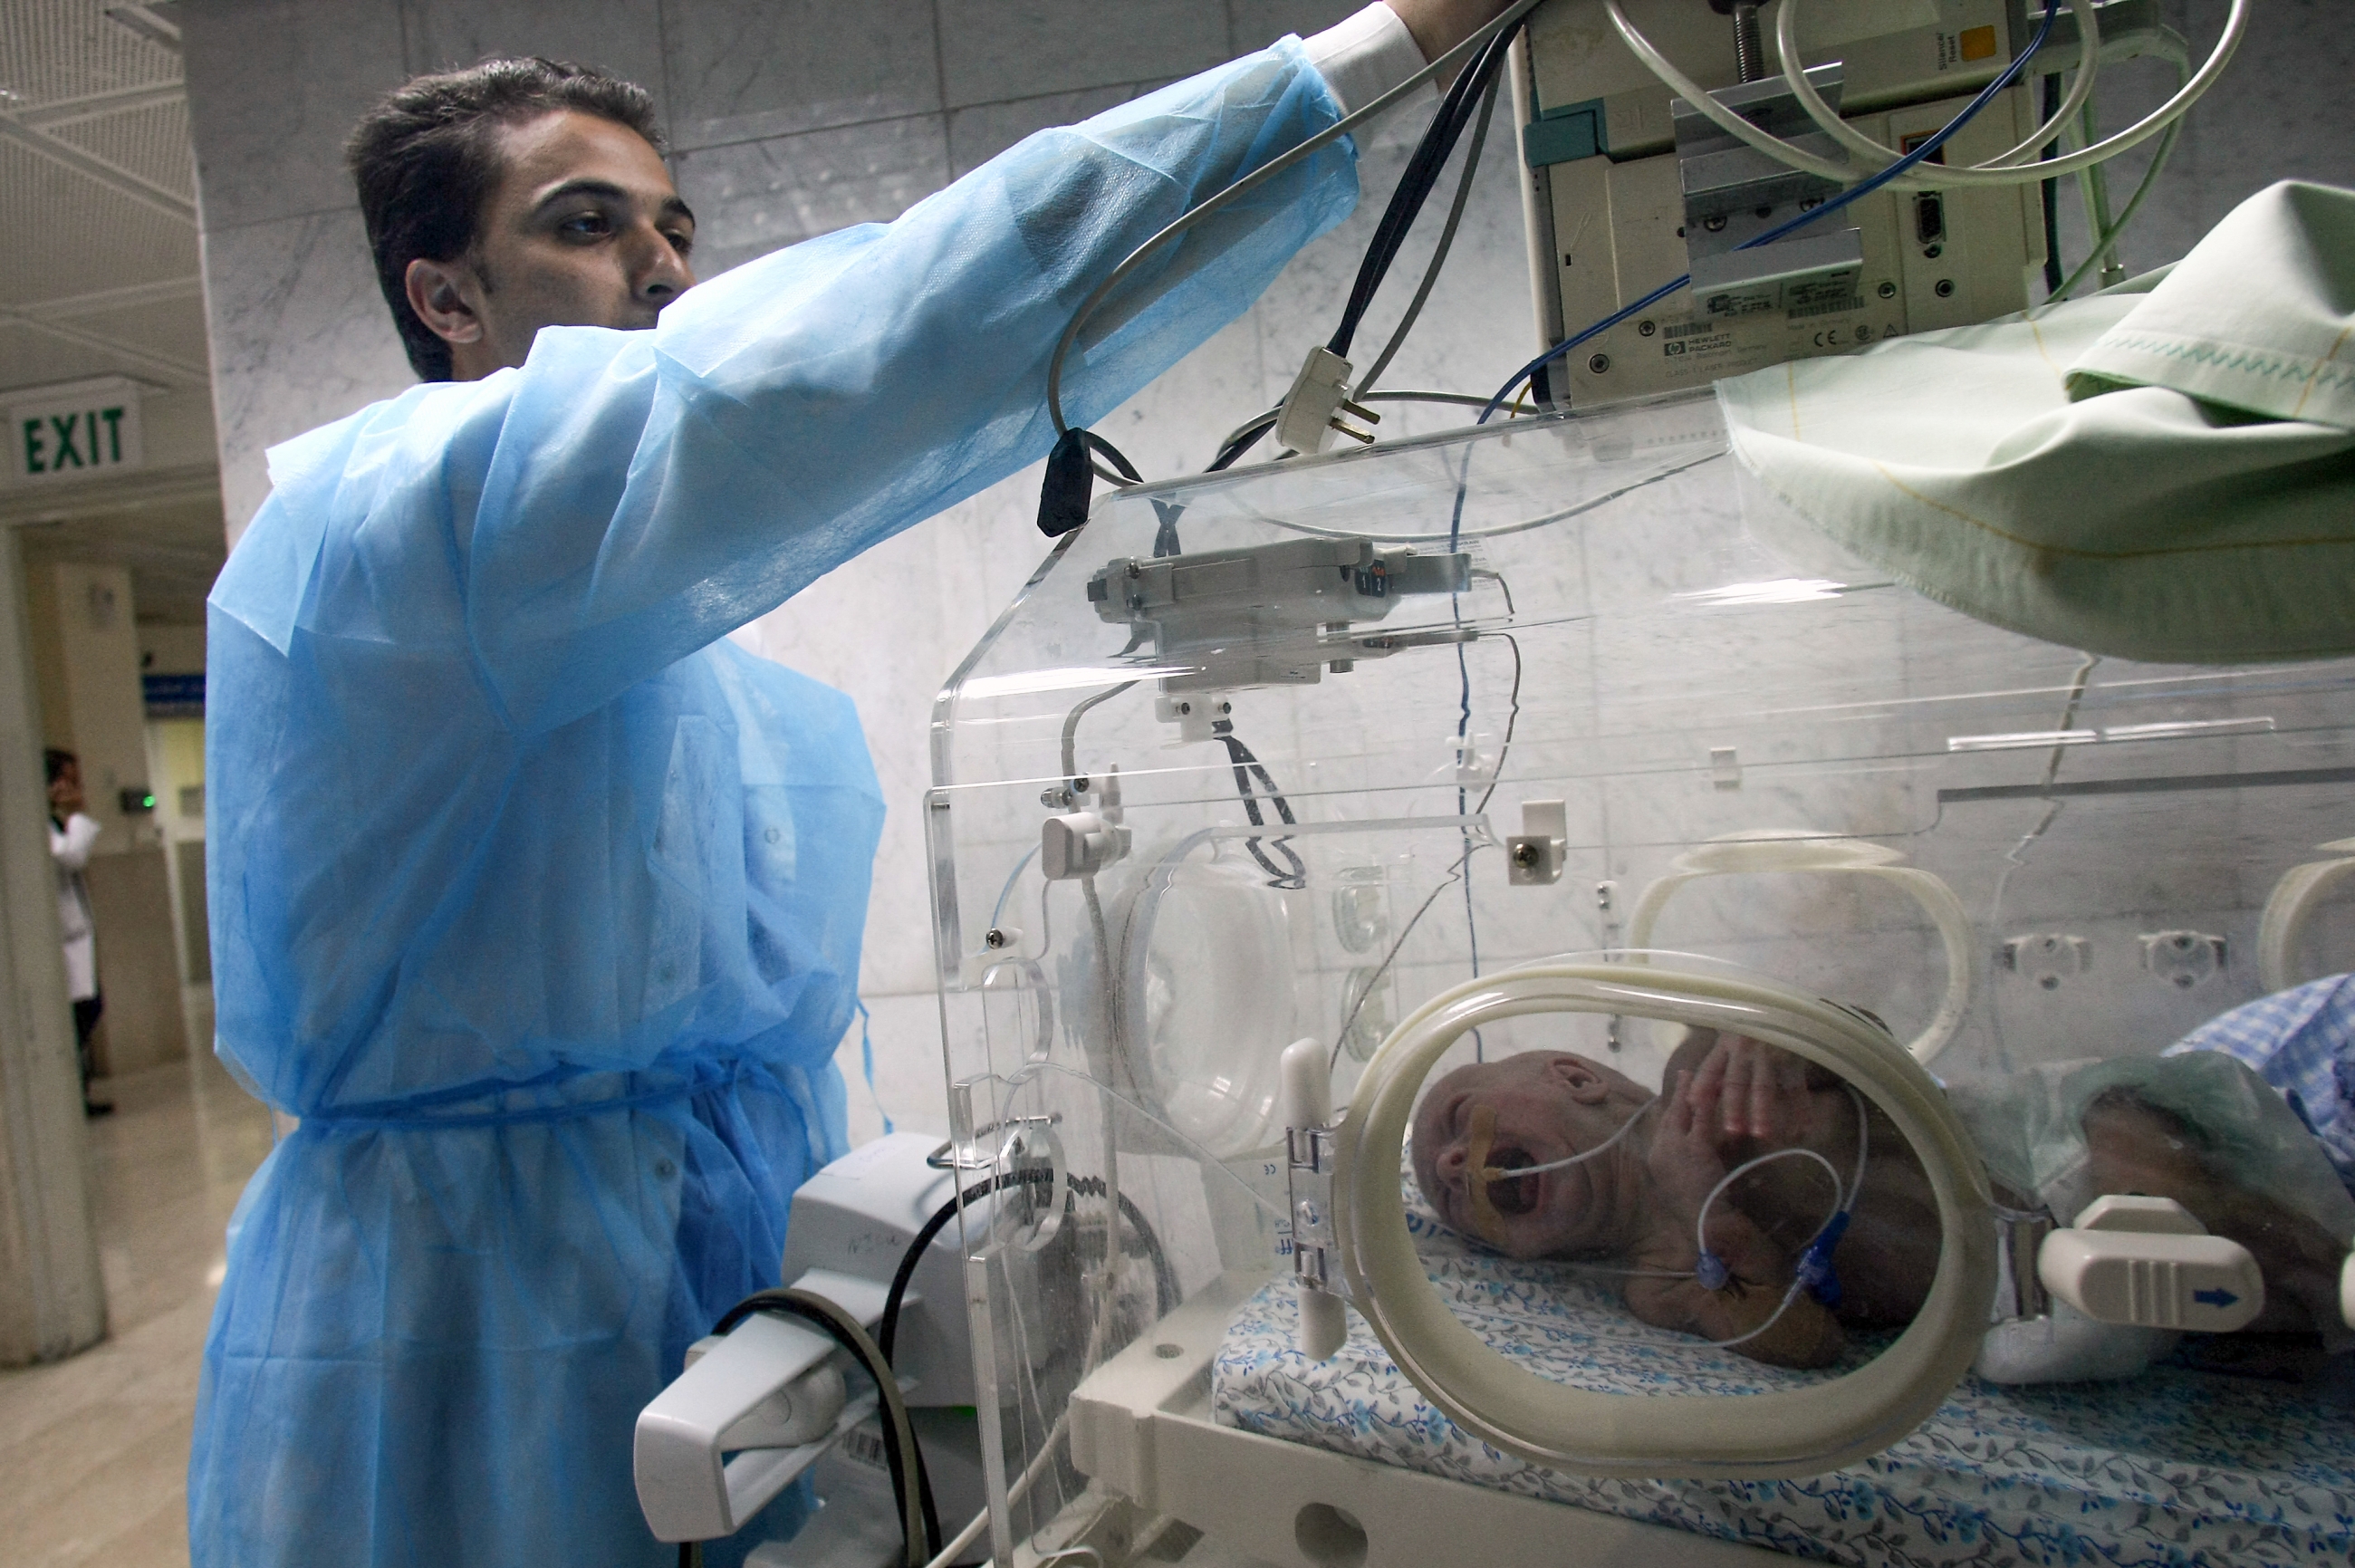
(1531, 1109)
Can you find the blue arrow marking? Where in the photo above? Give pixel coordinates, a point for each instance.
(2219, 1298)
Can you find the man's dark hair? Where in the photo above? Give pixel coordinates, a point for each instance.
(426, 160)
(54, 760)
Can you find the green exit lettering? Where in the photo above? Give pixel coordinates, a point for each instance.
(91, 438)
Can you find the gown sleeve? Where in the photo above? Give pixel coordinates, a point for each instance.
(627, 497)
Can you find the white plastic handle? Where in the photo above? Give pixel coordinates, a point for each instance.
(1791, 1433)
(684, 1489)
(2288, 907)
(1751, 853)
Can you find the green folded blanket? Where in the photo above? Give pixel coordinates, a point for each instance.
(2165, 471)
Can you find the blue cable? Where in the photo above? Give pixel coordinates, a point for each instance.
(1853, 194)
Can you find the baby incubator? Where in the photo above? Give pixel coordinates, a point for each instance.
(1275, 794)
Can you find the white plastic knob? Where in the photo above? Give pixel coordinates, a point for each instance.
(2154, 1279)
(1077, 845)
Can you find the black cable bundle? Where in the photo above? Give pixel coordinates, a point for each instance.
(1414, 186)
(1164, 1279)
(1248, 767)
(920, 1526)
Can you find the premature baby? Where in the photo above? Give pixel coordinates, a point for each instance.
(1637, 1205)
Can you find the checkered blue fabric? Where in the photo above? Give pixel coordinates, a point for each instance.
(2301, 1041)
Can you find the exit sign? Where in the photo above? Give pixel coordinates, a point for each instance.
(83, 430)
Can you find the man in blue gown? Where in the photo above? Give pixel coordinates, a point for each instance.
(535, 900)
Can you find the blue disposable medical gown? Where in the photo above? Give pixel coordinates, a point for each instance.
(538, 903)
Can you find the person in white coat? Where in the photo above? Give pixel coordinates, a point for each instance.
(72, 833)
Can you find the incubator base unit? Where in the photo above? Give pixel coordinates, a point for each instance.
(1348, 1071)
(1626, 186)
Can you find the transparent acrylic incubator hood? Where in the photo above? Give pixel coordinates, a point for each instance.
(1283, 755)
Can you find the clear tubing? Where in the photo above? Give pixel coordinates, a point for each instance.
(1014, 1494)
(1828, 119)
(1948, 176)
(1797, 157)
(1624, 1128)
(2236, 25)
(2093, 189)
(1841, 1197)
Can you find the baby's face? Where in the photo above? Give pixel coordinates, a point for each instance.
(1535, 1108)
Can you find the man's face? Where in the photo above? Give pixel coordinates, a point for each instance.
(583, 228)
(1546, 1106)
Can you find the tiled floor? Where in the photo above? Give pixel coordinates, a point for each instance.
(95, 1448)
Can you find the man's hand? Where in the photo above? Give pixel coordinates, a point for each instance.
(1439, 25)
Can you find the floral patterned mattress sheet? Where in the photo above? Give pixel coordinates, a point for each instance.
(2180, 1468)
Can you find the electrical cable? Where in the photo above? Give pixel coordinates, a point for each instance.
(1439, 252)
(1461, 53)
(2050, 189)
(1071, 727)
(911, 1489)
(1248, 767)
(1476, 83)
(1855, 193)
(1512, 723)
(1455, 873)
(2094, 191)
(887, 1327)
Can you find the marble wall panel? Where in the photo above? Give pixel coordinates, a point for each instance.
(886, 628)
(741, 72)
(751, 198)
(995, 49)
(623, 39)
(273, 88)
(299, 335)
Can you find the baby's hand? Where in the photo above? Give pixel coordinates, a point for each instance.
(1757, 1091)
(1684, 1159)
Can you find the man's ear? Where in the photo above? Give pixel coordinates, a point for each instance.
(1575, 1074)
(436, 292)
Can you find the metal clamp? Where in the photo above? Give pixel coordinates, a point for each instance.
(1315, 1245)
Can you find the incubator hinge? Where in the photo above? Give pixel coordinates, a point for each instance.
(2017, 1292)
(1315, 1245)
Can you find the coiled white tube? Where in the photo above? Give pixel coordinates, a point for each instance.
(1946, 177)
